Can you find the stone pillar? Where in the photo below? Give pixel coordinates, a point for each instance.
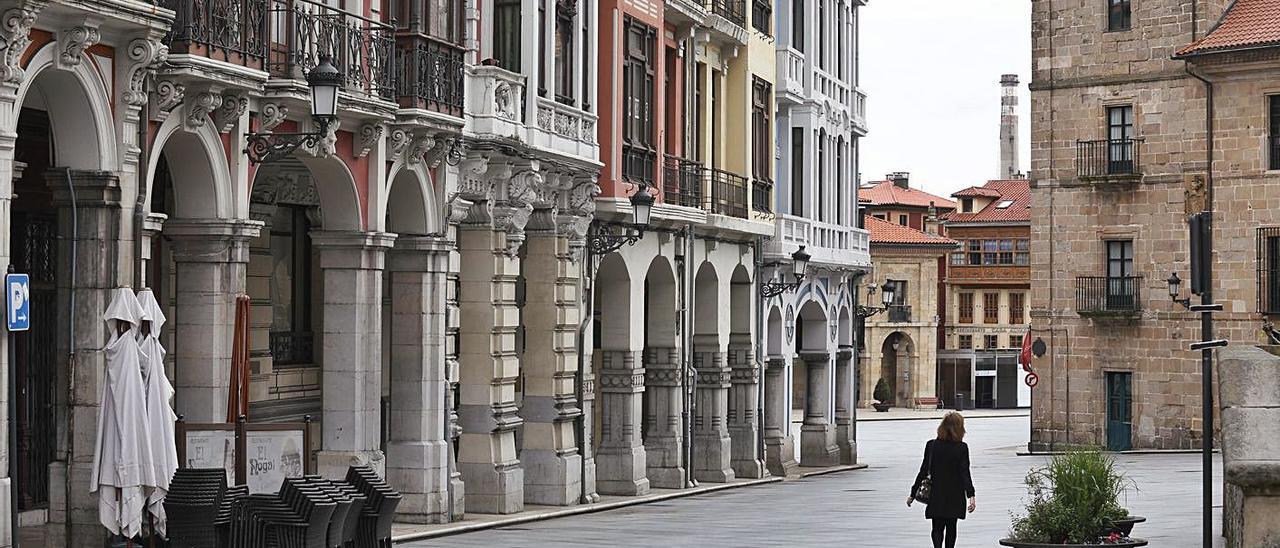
(210, 258)
(663, 435)
(1249, 403)
(622, 460)
(744, 407)
(453, 322)
(818, 433)
(712, 447)
(779, 446)
(351, 349)
(417, 451)
(552, 465)
(488, 368)
(846, 412)
(98, 261)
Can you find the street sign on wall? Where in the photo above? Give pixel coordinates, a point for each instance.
(17, 302)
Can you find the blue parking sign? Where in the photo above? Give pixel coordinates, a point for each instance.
(18, 301)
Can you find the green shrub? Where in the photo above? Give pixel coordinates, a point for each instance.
(882, 393)
(1072, 499)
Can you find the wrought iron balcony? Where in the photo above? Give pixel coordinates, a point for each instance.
(1109, 158)
(429, 74)
(735, 11)
(728, 193)
(762, 196)
(1109, 295)
(234, 31)
(681, 181)
(899, 313)
(362, 49)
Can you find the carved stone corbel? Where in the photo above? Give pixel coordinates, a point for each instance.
(420, 143)
(473, 182)
(15, 31)
(271, 115)
(233, 106)
(145, 56)
(198, 108)
(398, 141)
(459, 209)
(370, 134)
(327, 145)
(169, 95)
(72, 42)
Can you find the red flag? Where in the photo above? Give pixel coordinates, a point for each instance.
(1025, 356)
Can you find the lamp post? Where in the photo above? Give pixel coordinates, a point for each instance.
(324, 80)
(887, 295)
(799, 263)
(602, 240)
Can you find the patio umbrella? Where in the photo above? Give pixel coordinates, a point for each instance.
(122, 454)
(238, 398)
(160, 415)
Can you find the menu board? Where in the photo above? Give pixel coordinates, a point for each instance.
(212, 449)
(271, 456)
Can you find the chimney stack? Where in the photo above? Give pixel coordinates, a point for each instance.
(1009, 127)
(901, 179)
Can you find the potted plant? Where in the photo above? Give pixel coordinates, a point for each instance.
(1074, 500)
(882, 395)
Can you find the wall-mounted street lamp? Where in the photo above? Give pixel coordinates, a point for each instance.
(799, 263)
(324, 81)
(886, 298)
(1175, 288)
(602, 240)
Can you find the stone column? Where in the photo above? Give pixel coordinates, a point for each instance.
(663, 436)
(621, 462)
(453, 322)
(98, 260)
(779, 446)
(210, 260)
(744, 407)
(417, 451)
(488, 368)
(846, 412)
(818, 433)
(351, 349)
(552, 464)
(712, 447)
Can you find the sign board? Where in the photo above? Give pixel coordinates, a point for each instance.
(211, 449)
(271, 456)
(1032, 380)
(18, 301)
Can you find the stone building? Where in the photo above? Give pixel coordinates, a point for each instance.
(1120, 102)
(902, 341)
(985, 305)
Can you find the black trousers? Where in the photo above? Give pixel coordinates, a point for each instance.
(944, 531)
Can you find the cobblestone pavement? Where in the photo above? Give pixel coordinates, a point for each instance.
(866, 508)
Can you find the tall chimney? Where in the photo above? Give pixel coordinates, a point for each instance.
(1009, 126)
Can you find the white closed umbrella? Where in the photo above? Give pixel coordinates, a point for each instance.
(122, 455)
(160, 415)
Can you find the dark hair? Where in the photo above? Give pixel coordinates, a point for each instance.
(952, 427)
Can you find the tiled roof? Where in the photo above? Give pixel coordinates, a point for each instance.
(1016, 190)
(885, 232)
(976, 191)
(1247, 23)
(886, 193)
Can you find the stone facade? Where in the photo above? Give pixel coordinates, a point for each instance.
(1250, 407)
(902, 343)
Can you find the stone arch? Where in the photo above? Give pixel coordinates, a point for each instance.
(661, 402)
(660, 304)
(773, 330)
(895, 352)
(811, 328)
(411, 206)
(740, 293)
(706, 295)
(198, 169)
(845, 323)
(70, 96)
(613, 303)
(339, 197)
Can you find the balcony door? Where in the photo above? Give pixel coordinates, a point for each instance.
(1120, 278)
(1120, 139)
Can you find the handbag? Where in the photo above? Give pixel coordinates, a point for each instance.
(926, 485)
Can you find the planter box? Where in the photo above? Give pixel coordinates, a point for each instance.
(881, 407)
(1126, 544)
(1125, 526)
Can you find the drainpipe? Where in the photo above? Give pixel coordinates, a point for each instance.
(586, 290)
(687, 388)
(760, 357)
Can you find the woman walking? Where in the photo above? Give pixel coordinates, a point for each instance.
(945, 473)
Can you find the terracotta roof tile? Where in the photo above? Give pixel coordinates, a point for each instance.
(1018, 191)
(885, 232)
(886, 193)
(977, 191)
(1246, 23)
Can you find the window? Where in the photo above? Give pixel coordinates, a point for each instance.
(840, 181)
(902, 220)
(797, 25)
(291, 286)
(1006, 252)
(966, 308)
(1022, 252)
(1120, 139)
(638, 155)
(1273, 136)
(762, 16)
(822, 34)
(957, 257)
(821, 187)
(797, 171)
(1269, 270)
(1118, 15)
(565, 11)
(990, 308)
(990, 250)
(966, 205)
(715, 118)
(965, 342)
(1017, 308)
(1119, 258)
(586, 60)
(761, 130)
(880, 216)
(991, 341)
(506, 34)
(700, 77)
(975, 252)
(1004, 204)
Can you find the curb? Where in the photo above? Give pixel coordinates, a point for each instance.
(1129, 452)
(833, 470)
(592, 508)
(966, 417)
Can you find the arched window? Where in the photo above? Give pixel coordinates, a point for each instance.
(840, 180)
(822, 179)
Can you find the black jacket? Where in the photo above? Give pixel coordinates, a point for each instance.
(951, 481)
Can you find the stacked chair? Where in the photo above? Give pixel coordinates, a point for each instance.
(194, 505)
(379, 510)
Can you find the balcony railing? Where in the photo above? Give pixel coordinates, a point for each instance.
(429, 74)
(762, 196)
(363, 49)
(899, 313)
(682, 182)
(1109, 295)
(1273, 150)
(735, 11)
(728, 193)
(1108, 158)
(637, 165)
(234, 31)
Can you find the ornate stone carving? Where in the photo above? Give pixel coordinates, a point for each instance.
(398, 141)
(169, 95)
(71, 45)
(505, 102)
(458, 209)
(1194, 195)
(15, 30)
(473, 184)
(198, 108)
(271, 115)
(369, 136)
(588, 130)
(443, 149)
(226, 116)
(285, 189)
(419, 145)
(566, 125)
(621, 379)
(145, 56)
(544, 118)
(581, 197)
(327, 145)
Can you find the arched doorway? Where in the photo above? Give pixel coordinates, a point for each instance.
(779, 445)
(712, 448)
(621, 460)
(817, 434)
(745, 395)
(896, 352)
(663, 401)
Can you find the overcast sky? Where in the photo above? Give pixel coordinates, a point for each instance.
(931, 70)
